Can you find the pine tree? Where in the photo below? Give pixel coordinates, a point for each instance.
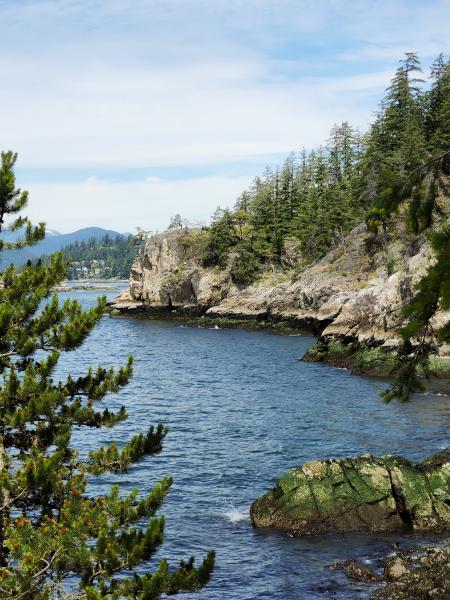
(432, 294)
(50, 528)
(221, 238)
(438, 107)
(396, 144)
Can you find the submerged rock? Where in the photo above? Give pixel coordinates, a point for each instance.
(357, 571)
(365, 493)
(414, 578)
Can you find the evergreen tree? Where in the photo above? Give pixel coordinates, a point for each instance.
(105, 258)
(176, 222)
(433, 290)
(12, 202)
(433, 293)
(317, 197)
(222, 237)
(311, 198)
(50, 529)
(438, 107)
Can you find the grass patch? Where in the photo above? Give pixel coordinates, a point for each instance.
(440, 367)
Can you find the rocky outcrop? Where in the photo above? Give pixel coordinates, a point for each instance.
(421, 574)
(359, 494)
(416, 573)
(167, 276)
(354, 293)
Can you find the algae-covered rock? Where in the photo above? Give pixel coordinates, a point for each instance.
(365, 493)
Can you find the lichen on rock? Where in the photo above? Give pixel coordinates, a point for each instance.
(365, 493)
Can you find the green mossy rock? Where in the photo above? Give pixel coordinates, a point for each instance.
(365, 493)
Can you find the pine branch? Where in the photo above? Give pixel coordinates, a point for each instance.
(115, 460)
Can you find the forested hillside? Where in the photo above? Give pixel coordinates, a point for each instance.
(110, 256)
(395, 178)
(296, 211)
(53, 242)
(292, 215)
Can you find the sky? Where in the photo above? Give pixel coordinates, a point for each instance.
(126, 112)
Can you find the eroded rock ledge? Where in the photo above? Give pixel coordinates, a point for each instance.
(365, 493)
(354, 294)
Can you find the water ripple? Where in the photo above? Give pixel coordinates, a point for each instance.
(241, 410)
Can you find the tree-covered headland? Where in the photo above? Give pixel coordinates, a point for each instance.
(400, 169)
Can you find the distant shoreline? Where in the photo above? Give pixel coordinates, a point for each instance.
(110, 280)
(106, 285)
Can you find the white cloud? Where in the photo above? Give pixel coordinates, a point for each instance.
(125, 206)
(199, 114)
(146, 83)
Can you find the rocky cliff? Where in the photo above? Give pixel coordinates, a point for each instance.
(168, 276)
(355, 293)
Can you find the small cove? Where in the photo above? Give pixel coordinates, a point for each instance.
(242, 410)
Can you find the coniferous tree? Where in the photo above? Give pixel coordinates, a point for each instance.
(438, 107)
(403, 161)
(415, 170)
(311, 199)
(50, 528)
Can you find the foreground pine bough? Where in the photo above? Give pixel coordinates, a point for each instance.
(364, 493)
(51, 530)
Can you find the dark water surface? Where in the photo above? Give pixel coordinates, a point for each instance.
(242, 410)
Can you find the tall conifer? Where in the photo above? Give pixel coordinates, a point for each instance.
(51, 529)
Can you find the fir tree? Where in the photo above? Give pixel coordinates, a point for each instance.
(50, 528)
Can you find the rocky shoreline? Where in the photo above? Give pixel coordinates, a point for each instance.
(351, 298)
(418, 573)
(366, 493)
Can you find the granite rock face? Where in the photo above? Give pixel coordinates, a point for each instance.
(354, 293)
(166, 276)
(359, 494)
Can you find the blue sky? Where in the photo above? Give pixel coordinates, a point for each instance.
(125, 112)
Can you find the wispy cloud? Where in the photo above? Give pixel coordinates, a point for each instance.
(148, 83)
(126, 205)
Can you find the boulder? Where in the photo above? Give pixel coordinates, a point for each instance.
(365, 493)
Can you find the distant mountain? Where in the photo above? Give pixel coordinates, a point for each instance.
(53, 242)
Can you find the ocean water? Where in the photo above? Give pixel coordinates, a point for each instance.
(242, 409)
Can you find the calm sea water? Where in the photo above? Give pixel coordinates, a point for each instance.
(242, 409)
